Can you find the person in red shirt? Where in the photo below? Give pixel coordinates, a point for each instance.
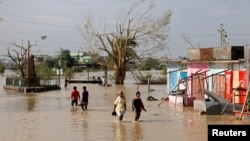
(75, 95)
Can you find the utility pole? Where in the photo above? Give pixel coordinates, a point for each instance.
(60, 66)
(223, 35)
(28, 65)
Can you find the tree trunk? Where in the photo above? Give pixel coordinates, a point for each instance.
(120, 74)
(23, 74)
(22, 71)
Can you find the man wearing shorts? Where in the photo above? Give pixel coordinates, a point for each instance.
(74, 97)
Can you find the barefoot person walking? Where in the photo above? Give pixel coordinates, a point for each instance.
(120, 105)
(137, 106)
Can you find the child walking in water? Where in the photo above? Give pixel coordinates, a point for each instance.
(137, 106)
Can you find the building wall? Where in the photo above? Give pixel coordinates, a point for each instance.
(220, 70)
(216, 53)
(215, 69)
(173, 75)
(196, 84)
(214, 73)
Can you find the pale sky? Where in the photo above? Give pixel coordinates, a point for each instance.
(57, 19)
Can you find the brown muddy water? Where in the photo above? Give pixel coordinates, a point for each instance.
(47, 117)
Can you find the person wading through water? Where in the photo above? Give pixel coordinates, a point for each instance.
(120, 105)
(137, 106)
(85, 98)
(75, 95)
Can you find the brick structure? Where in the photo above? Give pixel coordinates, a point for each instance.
(32, 79)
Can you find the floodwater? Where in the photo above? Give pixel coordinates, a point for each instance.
(47, 117)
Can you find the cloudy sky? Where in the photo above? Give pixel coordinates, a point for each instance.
(199, 20)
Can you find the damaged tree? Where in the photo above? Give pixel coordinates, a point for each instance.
(135, 36)
(19, 55)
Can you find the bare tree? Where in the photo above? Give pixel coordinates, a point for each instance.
(187, 40)
(135, 36)
(19, 55)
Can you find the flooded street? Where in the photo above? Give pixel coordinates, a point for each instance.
(47, 116)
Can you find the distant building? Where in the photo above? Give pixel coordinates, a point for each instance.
(8, 64)
(40, 59)
(81, 58)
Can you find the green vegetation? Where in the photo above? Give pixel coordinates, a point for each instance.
(44, 71)
(149, 64)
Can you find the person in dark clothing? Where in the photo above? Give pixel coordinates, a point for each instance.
(85, 98)
(137, 106)
(65, 83)
(99, 79)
